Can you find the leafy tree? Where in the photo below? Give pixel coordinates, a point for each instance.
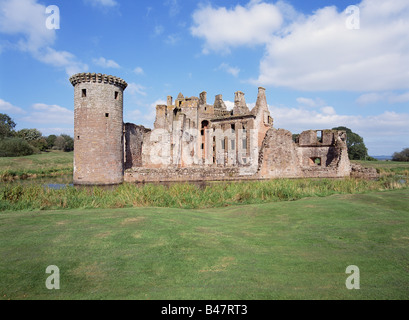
(355, 143)
(64, 142)
(401, 156)
(15, 147)
(7, 126)
(29, 134)
(59, 143)
(40, 144)
(51, 141)
(69, 143)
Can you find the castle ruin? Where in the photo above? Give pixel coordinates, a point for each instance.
(192, 140)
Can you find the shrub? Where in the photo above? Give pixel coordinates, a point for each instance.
(64, 142)
(15, 147)
(401, 156)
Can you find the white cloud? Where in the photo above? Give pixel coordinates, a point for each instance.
(229, 104)
(315, 52)
(61, 59)
(310, 102)
(138, 70)
(306, 101)
(320, 53)
(26, 20)
(145, 115)
(368, 98)
(399, 98)
(8, 108)
(328, 110)
(389, 97)
(41, 113)
(224, 28)
(102, 3)
(135, 88)
(227, 68)
(104, 63)
(389, 127)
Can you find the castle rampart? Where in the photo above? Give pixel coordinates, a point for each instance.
(192, 140)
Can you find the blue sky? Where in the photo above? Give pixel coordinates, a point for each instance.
(318, 71)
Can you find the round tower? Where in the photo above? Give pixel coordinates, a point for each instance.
(98, 129)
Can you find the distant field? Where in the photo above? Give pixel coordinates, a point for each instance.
(38, 165)
(283, 250)
(387, 167)
(59, 163)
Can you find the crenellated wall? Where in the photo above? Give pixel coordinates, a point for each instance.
(192, 140)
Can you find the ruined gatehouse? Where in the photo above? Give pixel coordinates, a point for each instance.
(192, 140)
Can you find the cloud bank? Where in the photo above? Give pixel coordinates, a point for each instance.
(26, 20)
(316, 52)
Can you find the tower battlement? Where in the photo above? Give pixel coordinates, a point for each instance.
(97, 78)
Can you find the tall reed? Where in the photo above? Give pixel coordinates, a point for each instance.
(184, 195)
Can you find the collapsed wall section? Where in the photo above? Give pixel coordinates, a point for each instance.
(134, 136)
(278, 156)
(317, 154)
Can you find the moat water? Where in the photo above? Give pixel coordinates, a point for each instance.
(59, 182)
(64, 181)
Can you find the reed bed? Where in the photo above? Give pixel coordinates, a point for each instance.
(185, 195)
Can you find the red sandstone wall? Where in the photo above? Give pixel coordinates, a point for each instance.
(98, 131)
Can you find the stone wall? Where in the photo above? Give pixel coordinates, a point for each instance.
(281, 157)
(98, 129)
(134, 136)
(184, 174)
(358, 171)
(192, 140)
(278, 156)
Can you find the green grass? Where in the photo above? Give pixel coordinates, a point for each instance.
(184, 195)
(282, 250)
(39, 165)
(387, 168)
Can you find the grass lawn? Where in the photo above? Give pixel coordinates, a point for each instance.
(46, 163)
(282, 250)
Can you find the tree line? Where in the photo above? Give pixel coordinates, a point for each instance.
(401, 156)
(29, 141)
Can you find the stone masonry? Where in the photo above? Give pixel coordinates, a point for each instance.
(192, 140)
(98, 129)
